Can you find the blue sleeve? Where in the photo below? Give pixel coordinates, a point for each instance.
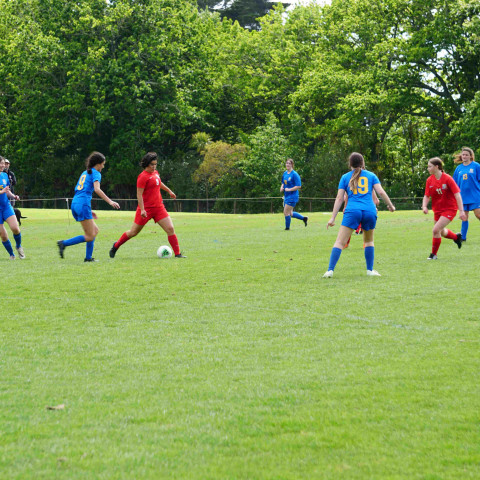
(477, 167)
(455, 176)
(96, 176)
(375, 179)
(298, 180)
(343, 183)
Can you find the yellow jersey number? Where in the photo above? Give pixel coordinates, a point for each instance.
(81, 182)
(362, 187)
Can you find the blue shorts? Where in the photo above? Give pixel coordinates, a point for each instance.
(81, 211)
(291, 203)
(468, 207)
(6, 212)
(353, 218)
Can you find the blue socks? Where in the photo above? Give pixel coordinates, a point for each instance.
(18, 240)
(464, 230)
(89, 249)
(334, 256)
(288, 220)
(8, 247)
(297, 215)
(74, 240)
(369, 257)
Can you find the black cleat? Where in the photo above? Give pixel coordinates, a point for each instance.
(463, 239)
(61, 248)
(305, 220)
(113, 251)
(432, 257)
(287, 229)
(458, 241)
(179, 255)
(90, 260)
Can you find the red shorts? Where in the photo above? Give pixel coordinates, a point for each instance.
(157, 213)
(450, 214)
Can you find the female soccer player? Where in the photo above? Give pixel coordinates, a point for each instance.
(446, 199)
(291, 184)
(150, 205)
(8, 215)
(467, 177)
(88, 182)
(359, 185)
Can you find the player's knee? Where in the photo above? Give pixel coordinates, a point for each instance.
(4, 237)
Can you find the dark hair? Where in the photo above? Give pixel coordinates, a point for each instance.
(438, 162)
(357, 162)
(94, 159)
(148, 159)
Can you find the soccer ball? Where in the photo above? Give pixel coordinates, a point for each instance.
(164, 252)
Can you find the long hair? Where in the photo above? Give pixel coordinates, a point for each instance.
(438, 162)
(291, 161)
(147, 159)
(93, 159)
(356, 162)
(458, 157)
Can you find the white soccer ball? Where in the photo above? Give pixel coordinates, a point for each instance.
(164, 252)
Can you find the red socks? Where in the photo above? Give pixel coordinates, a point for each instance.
(436, 244)
(124, 238)
(172, 239)
(451, 235)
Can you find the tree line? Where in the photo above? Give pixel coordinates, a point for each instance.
(224, 105)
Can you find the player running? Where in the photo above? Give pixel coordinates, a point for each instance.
(467, 177)
(446, 199)
(359, 185)
(291, 184)
(150, 205)
(8, 215)
(88, 182)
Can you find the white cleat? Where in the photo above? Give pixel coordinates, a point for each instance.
(328, 274)
(373, 273)
(21, 253)
(12, 257)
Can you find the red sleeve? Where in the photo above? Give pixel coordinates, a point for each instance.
(427, 190)
(142, 181)
(452, 185)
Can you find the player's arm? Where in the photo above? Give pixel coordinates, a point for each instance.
(379, 189)
(375, 199)
(298, 181)
(425, 201)
(102, 195)
(164, 187)
(141, 206)
(458, 198)
(336, 207)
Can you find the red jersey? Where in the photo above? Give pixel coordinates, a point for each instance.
(150, 182)
(442, 192)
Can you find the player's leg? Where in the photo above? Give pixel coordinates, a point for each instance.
(344, 233)
(167, 226)
(440, 224)
(5, 240)
(369, 222)
(447, 233)
(299, 217)
(464, 229)
(91, 231)
(13, 224)
(135, 229)
(287, 211)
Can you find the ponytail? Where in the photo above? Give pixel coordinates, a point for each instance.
(356, 162)
(93, 159)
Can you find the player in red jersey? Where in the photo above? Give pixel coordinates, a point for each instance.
(446, 200)
(150, 205)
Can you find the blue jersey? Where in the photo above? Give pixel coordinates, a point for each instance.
(468, 179)
(361, 198)
(4, 182)
(290, 180)
(84, 188)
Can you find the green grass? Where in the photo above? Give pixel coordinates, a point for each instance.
(240, 362)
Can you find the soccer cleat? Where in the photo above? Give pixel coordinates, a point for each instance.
(12, 257)
(432, 257)
(21, 253)
(328, 274)
(113, 251)
(458, 241)
(305, 220)
(179, 255)
(287, 229)
(90, 260)
(373, 273)
(61, 248)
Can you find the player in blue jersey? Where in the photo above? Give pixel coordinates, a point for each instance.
(467, 177)
(88, 183)
(359, 185)
(8, 215)
(291, 184)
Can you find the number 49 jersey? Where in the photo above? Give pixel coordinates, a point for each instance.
(360, 198)
(84, 188)
(442, 192)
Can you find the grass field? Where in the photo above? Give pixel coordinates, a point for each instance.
(240, 362)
